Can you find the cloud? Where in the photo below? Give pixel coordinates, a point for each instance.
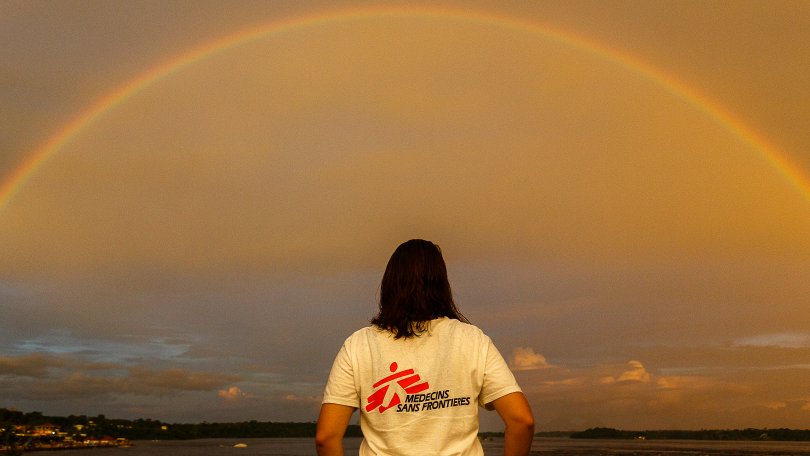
(684, 382)
(44, 377)
(34, 365)
(637, 373)
(232, 393)
(784, 340)
(525, 358)
(173, 380)
(305, 399)
(39, 365)
(633, 396)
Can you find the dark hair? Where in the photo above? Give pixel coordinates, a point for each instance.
(415, 290)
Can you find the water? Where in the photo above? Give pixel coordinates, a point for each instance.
(494, 447)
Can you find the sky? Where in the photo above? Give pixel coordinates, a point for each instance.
(198, 199)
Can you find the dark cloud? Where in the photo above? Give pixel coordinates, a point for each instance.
(33, 365)
(39, 377)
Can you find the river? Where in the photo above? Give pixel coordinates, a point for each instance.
(541, 446)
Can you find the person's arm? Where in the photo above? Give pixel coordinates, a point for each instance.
(332, 424)
(517, 417)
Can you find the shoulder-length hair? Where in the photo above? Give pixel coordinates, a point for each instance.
(415, 290)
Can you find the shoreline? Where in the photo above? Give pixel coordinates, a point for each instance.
(15, 450)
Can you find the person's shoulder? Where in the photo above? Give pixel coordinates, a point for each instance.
(460, 324)
(365, 333)
(468, 329)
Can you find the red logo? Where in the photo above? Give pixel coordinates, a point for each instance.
(407, 380)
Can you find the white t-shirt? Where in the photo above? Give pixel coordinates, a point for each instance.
(419, 396)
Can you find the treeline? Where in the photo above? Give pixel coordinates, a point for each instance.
(148, 429)
(704, 434)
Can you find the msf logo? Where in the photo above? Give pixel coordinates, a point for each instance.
(407, 379)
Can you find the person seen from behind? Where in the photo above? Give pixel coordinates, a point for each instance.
(420, 372)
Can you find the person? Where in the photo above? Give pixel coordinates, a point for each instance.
(420, 372)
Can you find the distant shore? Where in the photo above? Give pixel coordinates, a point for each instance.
(749, 434)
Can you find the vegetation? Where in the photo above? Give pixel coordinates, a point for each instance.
(146, 429)
(73, 426)
(704, 434)
(553, 434)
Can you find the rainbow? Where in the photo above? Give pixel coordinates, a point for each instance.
(792, 173)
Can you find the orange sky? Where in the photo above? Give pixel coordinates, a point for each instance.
(639, 262)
